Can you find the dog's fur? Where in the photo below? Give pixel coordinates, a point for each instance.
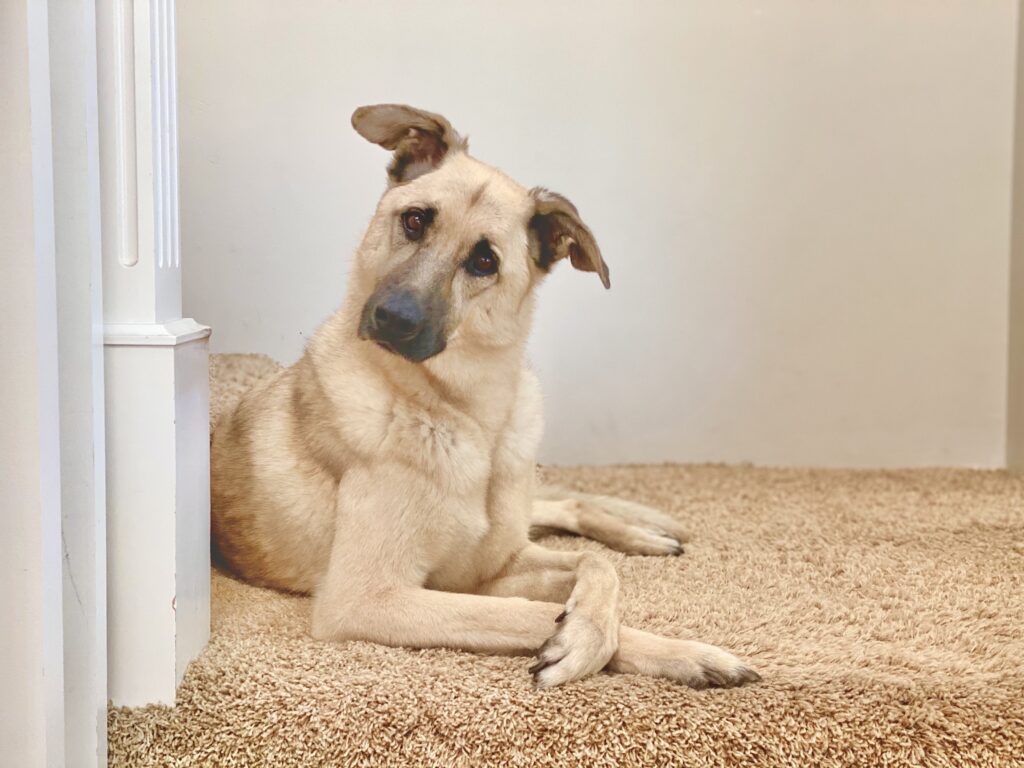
(392, 474)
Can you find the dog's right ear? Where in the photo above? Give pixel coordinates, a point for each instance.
(420, 139)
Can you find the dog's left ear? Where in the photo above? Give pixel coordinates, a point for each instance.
(558, 231)
(420, 139)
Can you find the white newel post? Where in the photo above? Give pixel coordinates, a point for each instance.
(157, 397)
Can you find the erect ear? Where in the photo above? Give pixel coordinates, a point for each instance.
(559, 231)
(419, 139)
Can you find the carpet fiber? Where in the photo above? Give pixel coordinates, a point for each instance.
(885, 611)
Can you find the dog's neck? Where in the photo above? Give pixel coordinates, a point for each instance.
(481, 382)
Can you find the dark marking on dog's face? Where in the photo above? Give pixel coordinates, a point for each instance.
(436, 266)
(456, 247)
(406, 320)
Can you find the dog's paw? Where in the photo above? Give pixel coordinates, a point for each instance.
(645, 539)
(580, 647)
(697, 665)
(715, 668)
(625, 531)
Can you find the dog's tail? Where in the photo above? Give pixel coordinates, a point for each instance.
(623, 509)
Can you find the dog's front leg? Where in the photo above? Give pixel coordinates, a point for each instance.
(698, 665)
(416, 617)
(425, 618)
(588, 628)
(543, 574)
(386, 544)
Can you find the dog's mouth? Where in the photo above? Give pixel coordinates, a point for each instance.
(416, 353)
(415, 350)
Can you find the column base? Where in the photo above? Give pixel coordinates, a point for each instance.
(158, 506)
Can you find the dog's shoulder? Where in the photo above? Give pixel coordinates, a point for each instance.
(521, 437)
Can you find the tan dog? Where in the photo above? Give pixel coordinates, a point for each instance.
(391, 470)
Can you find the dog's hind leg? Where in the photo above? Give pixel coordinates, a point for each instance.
(626, 526)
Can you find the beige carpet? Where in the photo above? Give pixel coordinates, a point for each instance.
(885, 611)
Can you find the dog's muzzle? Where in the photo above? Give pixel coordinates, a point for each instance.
(399, 322)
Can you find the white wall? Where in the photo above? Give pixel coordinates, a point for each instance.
(805, 205)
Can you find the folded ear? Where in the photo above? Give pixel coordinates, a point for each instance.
(559, 232)
(419, 139)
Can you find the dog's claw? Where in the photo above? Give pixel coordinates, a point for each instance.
(748, 675)
(730, 679)
(540, 665)
(561, 617)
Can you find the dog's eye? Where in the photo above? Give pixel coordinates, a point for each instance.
(482, 262)
(414, 222)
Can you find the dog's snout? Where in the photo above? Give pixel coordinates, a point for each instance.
(398, 317)
(404, 323)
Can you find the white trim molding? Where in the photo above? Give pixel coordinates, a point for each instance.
(169, 334)
(1015, 366)
(76, 182)
(157, 399)
(32, 640)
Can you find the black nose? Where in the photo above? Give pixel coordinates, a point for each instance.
(398, 317)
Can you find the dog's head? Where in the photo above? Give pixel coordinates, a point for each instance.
(455, 247)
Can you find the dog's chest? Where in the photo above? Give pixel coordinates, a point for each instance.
(483, 531)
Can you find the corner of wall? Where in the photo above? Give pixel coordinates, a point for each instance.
(1015, 363)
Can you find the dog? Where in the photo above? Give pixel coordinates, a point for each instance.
(391, 472)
